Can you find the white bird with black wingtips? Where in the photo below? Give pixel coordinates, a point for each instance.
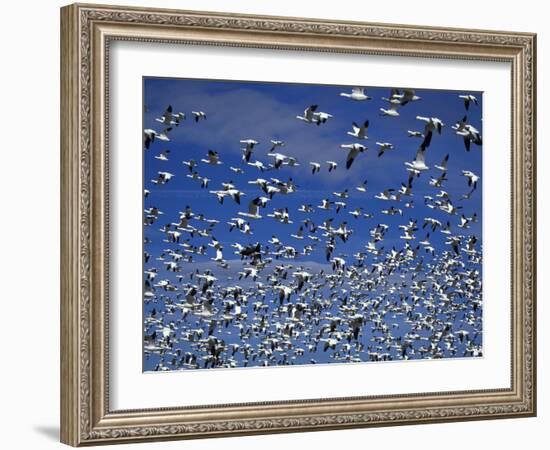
(419, 163)
(468, 99)
(315, 167)
(170, 118)
(150, 135)
(249, 146)
(354, 150)
(253, 209)
(408, 95)
(359, 131)
(213, 158)
(468, 132)
(383, 147)
(432, 123)
(275, 143)
(357, 94)
(443, 165)
(391, 111)
(472, 178)
(309, 116)
(163, 156)
(199, 115)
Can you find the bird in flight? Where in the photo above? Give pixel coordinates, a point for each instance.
(353, 151)
(359, 131)
(357, 94)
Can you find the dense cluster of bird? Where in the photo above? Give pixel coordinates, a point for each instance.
(211, 304)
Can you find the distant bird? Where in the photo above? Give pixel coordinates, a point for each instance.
(191, 164)
(321, 117)
(312, 116)
(343, 194)
(163, 178)
(163, 156)
(332, 165)
(362, 187)
(236, 169)
(281, 215)
(325, 204)
(357, 212)
(468, 98)
(235, 194)
(258, 164)
(357, 93)
(275, 144)
(408, 95)
(279, 159)
(150, 135)
(213, 158)
(387, 194)
(392, 211)
(354, 150)
(431, 124)
(199, 115)
(383, 147)
(438, 182)
(299, 234)
(170, 118)
(391, 111)
(253, 209)
(468, 132)
(359, 131)
(419, 163)
(315, 167)
(472, 178)
(309, 114)
(443, 165)
(247, 151)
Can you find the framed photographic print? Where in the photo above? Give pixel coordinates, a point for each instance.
(280, 224)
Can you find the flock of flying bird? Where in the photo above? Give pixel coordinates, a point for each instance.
(212, 304)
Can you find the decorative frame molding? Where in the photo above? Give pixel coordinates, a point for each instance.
(86, 31)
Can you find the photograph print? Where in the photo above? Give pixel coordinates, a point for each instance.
(299, 224)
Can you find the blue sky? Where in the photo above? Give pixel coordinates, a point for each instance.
(262, 111)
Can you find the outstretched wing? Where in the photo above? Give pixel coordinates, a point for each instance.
(351, 157)
(253, 207)
(420, 154)
(308, 113)
(427, 140)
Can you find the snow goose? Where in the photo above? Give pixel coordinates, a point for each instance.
(431, 124)
(391, 111)
(309, 114)
(468, 98)
(359, 131)
(383, 147)
(199, 115)
(357, 94)
(354, 150)
(170, 118)
(253, 209)
(315, 167)
(213, 158)
(150, 135)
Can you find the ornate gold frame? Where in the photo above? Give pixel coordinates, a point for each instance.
(86, 31)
